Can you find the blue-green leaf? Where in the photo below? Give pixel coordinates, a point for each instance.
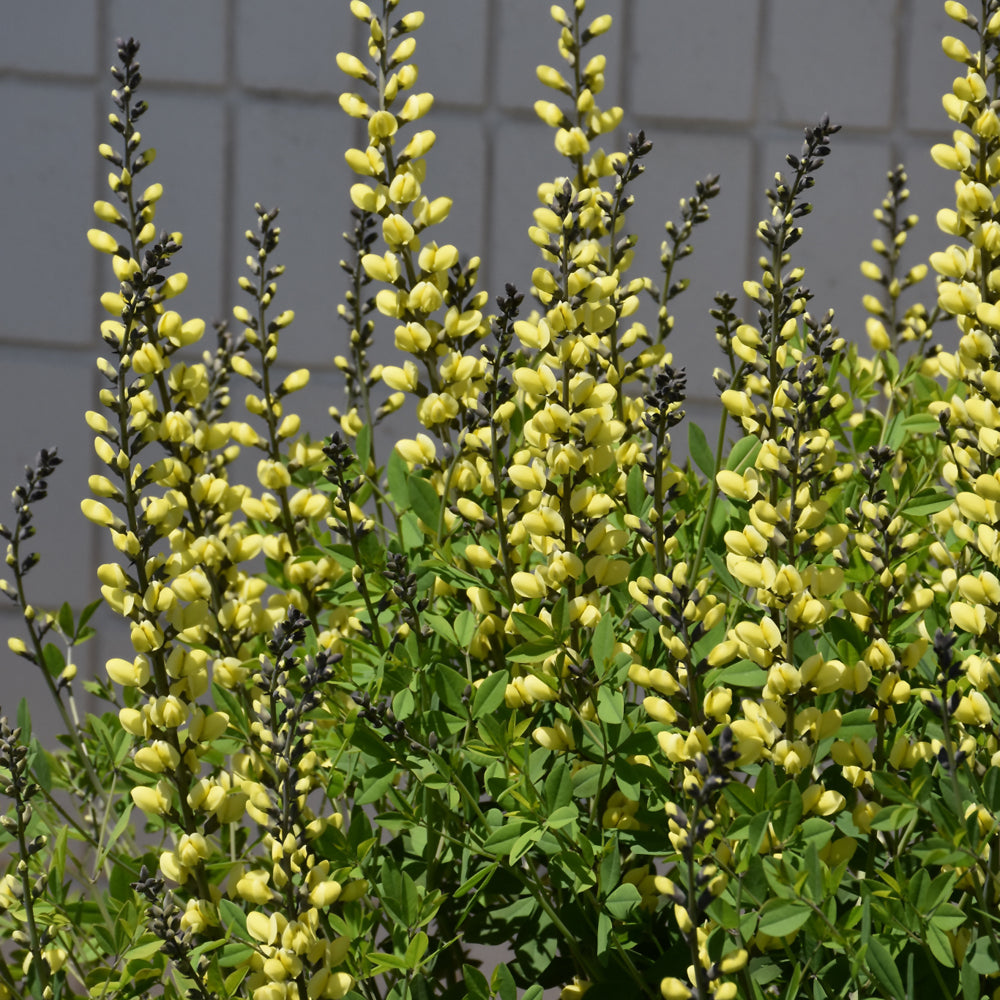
(490, 694)
(699, 449)
(881, 965)
(780, 917)
(398, 476)
(623, 900)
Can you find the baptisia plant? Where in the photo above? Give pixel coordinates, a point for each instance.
(718, 729)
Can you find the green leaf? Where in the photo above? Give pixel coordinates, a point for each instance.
(441, 625)
(792, 992)
(603, 643)
(499, 842)
(529, 627)
(928, 502)
(562, 816)
(782, 916)
(410, 532)
(493, 734)
(476, 985)
(895, 818)
(560, 615)
(450, 686)
(117, 830)
(991, 789)
(622, 901)
(40, 765)
(766, 787)
(85, 615)
(920, 890)
(814, 875)
(531, 652)
(398, 476)
(891, 363)
(64, 619)
(744, 673)
(503, 983)
(425, 502)
(226, 701)
(59, 854)
(895, 433)
(586, 781)
(120, 883)
(558, 788)
(233, 916)
(610, 869)
(948, 917)
(940, 946)
(881, 965)
(816, 832)
(377, 781)
(363, 445)
(786, 819)
(523, 844)
(489, 695)
(407, 901)
(483, 875)
(383, 960)
(969, 979)
(24, 721)
(743, 453)
(603, 932)
(234, 979)
(403, 703)
(921, 423)
(610, 706)
(980, 957)
(582, 873)
(635, 490)
(465, 628)
(431, 570)
(143, 950)
(757, 829)
(699, 449)
(416, 950)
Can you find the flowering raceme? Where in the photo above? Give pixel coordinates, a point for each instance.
(687, 730)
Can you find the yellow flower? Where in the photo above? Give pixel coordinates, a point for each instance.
(102, 241)
(397, 232)
(146, 637)
(325, 893)
(382, 125)
(555, 737)
(571, 142)
(955, 48)
(738, 403)
(158, 757)
(416, 106)
(154, 800)
(673, 988)
(599, 25)
(253, 887)
(527, 585)
(352, 66)
(97, 512)
(419, 145)
(736, 486)
(968, 617)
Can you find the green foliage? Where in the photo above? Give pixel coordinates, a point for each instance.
(714, 730)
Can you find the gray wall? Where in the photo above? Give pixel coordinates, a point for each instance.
(243, 97)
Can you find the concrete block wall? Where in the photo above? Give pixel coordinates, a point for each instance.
(243, 97)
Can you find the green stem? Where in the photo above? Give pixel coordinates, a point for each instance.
(73, 730)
